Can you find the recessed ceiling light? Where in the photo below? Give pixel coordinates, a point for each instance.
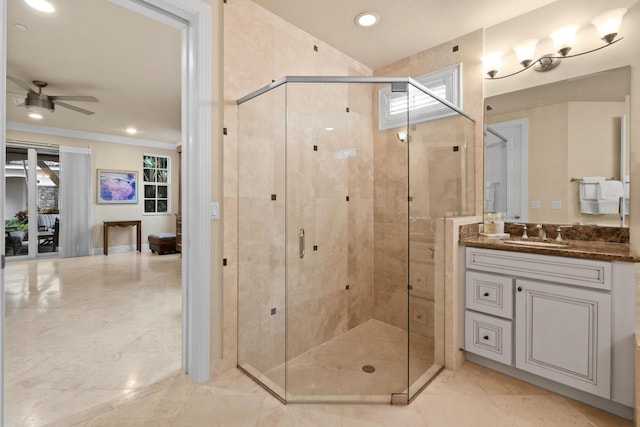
(132, 130)
(18, 26)
(366, 19)
(41, 5)
(36, 116)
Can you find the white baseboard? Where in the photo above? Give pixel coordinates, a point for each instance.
(120, 249)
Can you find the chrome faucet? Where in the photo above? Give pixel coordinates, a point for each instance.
(559, 232)
(524, 230)
(542, 234)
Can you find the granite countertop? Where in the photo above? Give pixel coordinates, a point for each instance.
(602, 243)
(571, 248)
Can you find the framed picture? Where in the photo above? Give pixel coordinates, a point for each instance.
(117, 186)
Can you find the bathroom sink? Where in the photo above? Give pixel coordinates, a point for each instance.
(535, 243)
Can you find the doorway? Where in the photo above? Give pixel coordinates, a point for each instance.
(506, 172)
(199, 56)
(32, 215)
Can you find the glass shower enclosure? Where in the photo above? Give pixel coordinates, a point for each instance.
(341, 236)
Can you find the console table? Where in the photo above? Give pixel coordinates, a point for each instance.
(108, 224)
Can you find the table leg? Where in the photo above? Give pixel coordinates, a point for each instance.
(106, 239)
(139, 236)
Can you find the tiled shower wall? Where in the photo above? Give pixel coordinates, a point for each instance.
(329, 194)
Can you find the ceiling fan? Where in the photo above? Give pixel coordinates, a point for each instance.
(36, 100)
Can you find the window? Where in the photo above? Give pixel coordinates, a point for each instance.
(444, 83)
(156, 183)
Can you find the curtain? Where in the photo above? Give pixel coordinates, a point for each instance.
(75, 202)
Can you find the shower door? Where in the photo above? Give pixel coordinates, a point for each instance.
(336, 348)
(317, 230)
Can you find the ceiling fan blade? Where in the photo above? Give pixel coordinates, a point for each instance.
(73, 98)
(74, 108)
(15, 92)
(20, 83)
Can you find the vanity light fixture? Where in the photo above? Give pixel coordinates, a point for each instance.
(607, 24)
(131, 130)
(41, 5)
(366, 19)
(35, 116)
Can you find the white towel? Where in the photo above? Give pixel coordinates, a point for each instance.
(588, 207)
(589, 194)
(610, 191)
(588, 191)
(592, 179)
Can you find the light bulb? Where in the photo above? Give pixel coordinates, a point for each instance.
(41, 5)
(525, 51)
(491, 62)
(608, 23)
(563, 38)
(366, 19)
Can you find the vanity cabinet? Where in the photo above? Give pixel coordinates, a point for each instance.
(563, 333)
(565, 321)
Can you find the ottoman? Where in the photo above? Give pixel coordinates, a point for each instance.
(162, 243)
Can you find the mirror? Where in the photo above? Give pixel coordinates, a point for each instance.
(549, 148)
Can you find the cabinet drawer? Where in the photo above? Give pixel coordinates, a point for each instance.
(489, 294)
(572, 271)
(488, 336)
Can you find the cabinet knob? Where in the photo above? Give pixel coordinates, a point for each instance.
(519, 288)
(486, 337)
(486, 294)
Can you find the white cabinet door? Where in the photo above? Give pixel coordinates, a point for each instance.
(564, 333)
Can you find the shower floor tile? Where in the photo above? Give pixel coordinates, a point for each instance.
(335, 369)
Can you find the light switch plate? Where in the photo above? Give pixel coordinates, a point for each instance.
(556, 204)
(535, 204)
(215, 210)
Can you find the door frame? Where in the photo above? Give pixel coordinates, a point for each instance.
(197, 102)
(193, 18)
(517, 171)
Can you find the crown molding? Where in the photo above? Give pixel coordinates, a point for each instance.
(93, 136)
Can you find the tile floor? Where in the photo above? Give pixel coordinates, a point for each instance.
(95, 341)
(84, 331)
(335, 368)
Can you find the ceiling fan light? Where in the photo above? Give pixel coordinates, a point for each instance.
(608, 23)
(41, 5)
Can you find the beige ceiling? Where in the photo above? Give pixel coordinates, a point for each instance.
(405, 27)
(93, 47)
(132, 63)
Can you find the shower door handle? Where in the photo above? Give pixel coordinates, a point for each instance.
(301, 242)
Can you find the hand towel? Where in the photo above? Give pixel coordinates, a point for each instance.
(610, 191)
(592, 179)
